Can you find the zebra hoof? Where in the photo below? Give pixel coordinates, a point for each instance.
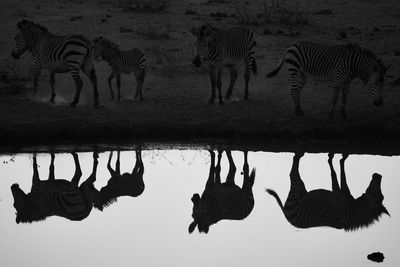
(51, 101)
(330, 156)
(220, 102)
(344, 156)
(99, 106)
(299, 154)
(211, 101)
(73, 104)
(299, 113)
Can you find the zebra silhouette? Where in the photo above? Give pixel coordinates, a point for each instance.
(339, 64)
(56, 196)
(337, 208)
(58, 54)
(127, 184)
(225, 48)
(121, 62)
(225, 201)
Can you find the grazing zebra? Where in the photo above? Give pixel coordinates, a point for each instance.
(336, 208)
(225, 48)
(58, 54)
(127, 184)
(56, 196)
(121, 62)
(339, 63)
(225, 201)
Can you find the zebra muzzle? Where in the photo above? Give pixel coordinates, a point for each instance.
(14, 55)
(378, 102)
(197, 61)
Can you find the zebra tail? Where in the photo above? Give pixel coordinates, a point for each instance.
(275, 195)
(275, 71)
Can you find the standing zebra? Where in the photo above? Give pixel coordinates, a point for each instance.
(225, 48)
(127, 184)
(58, 54)
(336, 208)
(121, 62)
(339, 63)
(223, 201)
(56, 196)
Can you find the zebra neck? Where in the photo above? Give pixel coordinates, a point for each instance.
(34, 41)
(110, 55)
(361, 214)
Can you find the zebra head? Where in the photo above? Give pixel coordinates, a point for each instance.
(375, 81)
(201, 215)
(98, 47)
(203, 35)
(375, 196)
(27, 35)
(26, 210)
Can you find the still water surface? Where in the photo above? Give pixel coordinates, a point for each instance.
(151, 227)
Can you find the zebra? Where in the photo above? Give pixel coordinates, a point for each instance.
(57, 54)
(224, 47)
(121, 62)
(56, 196)
(225, 201)
(338, 63)
(127, 184)
(337, 208)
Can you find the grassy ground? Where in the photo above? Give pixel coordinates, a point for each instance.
(176, 92)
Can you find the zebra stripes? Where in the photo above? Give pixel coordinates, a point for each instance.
(340, 63)
(121, 62)
(223, 201)
(55, 196)
(57, 54)
(225, 48)
(337, 208)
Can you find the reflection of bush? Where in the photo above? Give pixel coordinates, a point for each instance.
(148, 5)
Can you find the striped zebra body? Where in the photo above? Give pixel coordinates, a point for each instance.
(225, 201)
(56, 197)
(337, 208)
(121, 62)
(225, 48)
(57, 54)
(339, 64)
(127, 184)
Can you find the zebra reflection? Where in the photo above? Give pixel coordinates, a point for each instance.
(223, 201)
(336, 208)
(127, 184)
(56, 196)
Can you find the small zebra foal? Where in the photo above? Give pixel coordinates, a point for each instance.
(120, 62)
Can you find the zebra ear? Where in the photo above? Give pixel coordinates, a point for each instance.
(192, 226)
(21, 24)
(195, 198)
(17, 220)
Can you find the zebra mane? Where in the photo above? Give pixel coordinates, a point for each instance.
(107, 197)
(29, 213)
(364, 218)
(203, 28)
(27, 24)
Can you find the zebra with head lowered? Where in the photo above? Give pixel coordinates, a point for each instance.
(58, 54)
(121, 62)
(225, 48)
(339, 63)
(56, 197)
(336, 208)
(225, 201)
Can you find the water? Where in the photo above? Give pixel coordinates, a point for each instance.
(152, 228)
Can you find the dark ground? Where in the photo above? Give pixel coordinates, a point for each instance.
(176, 109)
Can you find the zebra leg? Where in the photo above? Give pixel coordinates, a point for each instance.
(297, 188)
(109, 80)
(230, 178)
(213, 84)
(335, 184)
(345, 91)
(90, 72)
(35, 70)
(335, 94)
(78, 83)
(219, 85)
(118, 78)
(211, 174)
(35, 177)
(92, 177)
(298, 81)
(218, 168)
(51, 168)
(343, 183)
(78, 171)
(139, 163)
(140, 74)
(110, 169)
(52, 86)
(118, 164)
(246, 81)
(233, 72)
